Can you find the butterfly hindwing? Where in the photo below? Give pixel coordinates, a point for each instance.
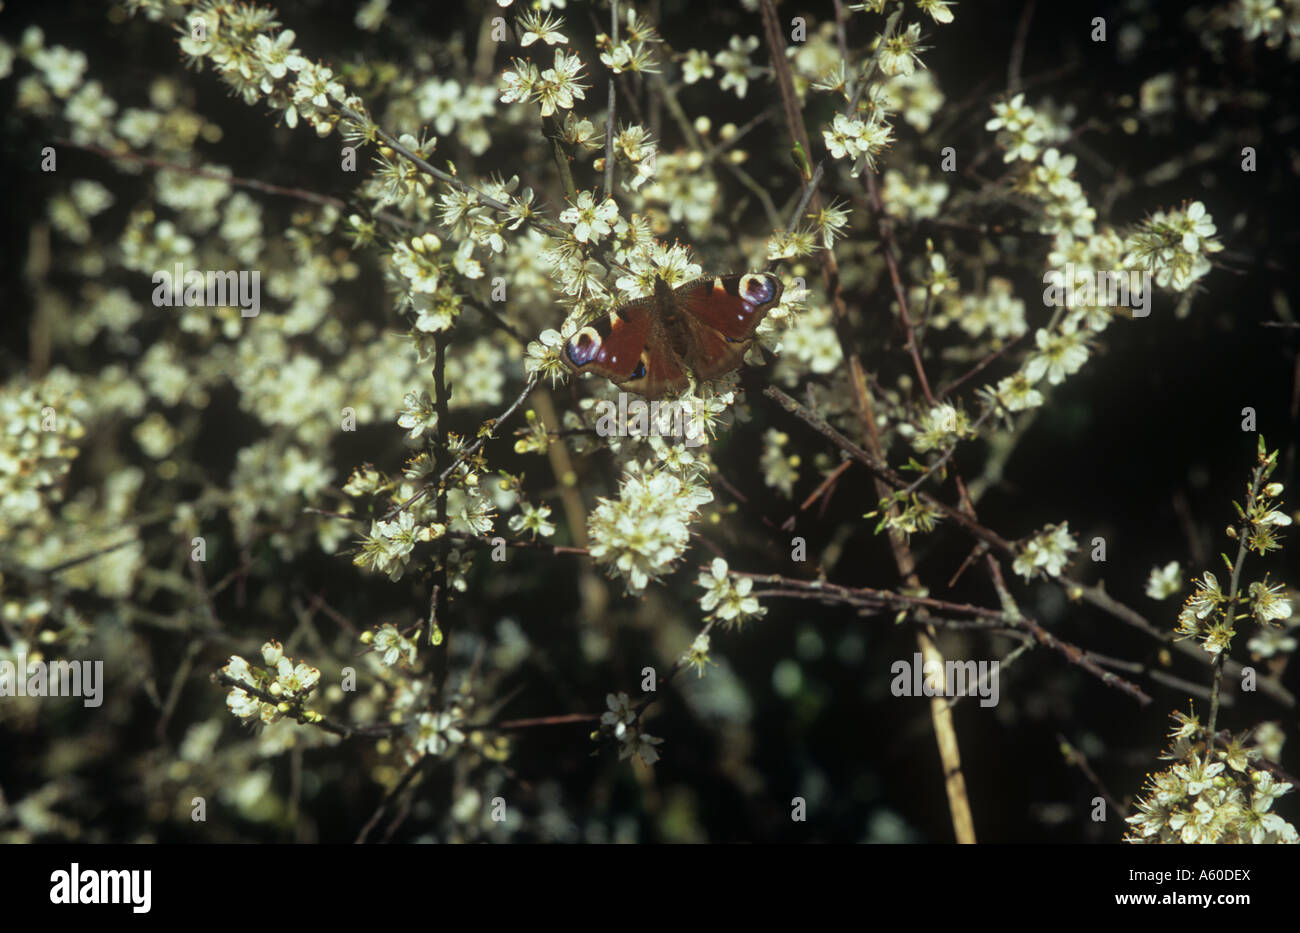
(663, 373)
(622, 347)
(612, 345)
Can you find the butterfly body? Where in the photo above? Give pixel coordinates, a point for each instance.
(653, 345)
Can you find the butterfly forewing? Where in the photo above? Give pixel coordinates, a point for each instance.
(614, 344)
(733, 305)
(721, 314)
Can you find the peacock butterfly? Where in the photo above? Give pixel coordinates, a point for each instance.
(651, 345)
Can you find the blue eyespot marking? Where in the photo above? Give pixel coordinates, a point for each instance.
(639, 371)
(759, 288)
(583, 348)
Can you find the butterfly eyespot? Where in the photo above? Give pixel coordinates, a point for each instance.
(639, 371)
(583, 348)
(758, 288)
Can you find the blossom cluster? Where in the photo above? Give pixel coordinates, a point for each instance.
(621, 722)
(1277, 21)
(860, 139)
(1224, 795)
(257, 59)
(287, 682)
(1046, 553)
(1209, 614)
(938, 429)
(642, 533)
(37, 447)
(552, 89)
(727, 597)
(1174, 245)
(436, 733)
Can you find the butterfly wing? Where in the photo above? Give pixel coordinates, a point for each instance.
(720, 314)
(621, 347)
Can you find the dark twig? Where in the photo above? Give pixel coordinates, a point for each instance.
(400, 786)
(485, 434)
(610, 114)
(946, 389)
(1017, 56)
(883, 473)
(302, 194)
(1076, 759)
(561, 720)
(374, 730)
